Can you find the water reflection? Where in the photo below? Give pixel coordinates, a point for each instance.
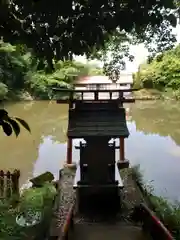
(153, 142)
(45, 119)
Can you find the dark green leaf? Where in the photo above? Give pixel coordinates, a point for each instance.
(15, 126)
(24, 124)
(172, 19)
(7, 128)
(3, 113)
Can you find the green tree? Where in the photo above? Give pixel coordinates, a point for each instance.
(60, 29)
(163, 71)
(113, 53)
(115, 50)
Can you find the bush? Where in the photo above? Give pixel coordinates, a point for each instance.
(163, 72)
(37, 199)
(32, 199)
(3, 91)
(13, 67)
(9, 228)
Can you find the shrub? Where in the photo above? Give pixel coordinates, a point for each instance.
(163, 72)
(3, 91)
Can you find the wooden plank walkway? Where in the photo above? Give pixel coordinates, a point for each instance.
(111, 227)
(96, 227)
(107, 232)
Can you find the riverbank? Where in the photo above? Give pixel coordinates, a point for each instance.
(142, 94)
(168, 213)
(154, 94)
(23, 95)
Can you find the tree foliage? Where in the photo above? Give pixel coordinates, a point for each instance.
(113, 54)
(163, 72)
(157, 39)
(59, 29)
(19, 72)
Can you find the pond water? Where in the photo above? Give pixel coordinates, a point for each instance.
(154, 142)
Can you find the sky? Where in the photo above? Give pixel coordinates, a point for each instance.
(139, 51)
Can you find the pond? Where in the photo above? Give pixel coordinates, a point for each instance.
(154, 142)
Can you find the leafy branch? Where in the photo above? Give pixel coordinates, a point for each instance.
(10, 124)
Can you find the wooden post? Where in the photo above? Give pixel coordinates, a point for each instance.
(1, 183)
(121, 98)
(110, 95)
(96, 94)
(8, 184)
(15, 182)
(69, 151)
(71, 98)
(121, 141)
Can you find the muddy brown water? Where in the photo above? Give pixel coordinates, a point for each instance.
(154, 142)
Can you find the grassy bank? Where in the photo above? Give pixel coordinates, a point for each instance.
(167, 212)
(154, 94)
(147, 94)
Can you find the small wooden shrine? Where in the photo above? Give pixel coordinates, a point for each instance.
(97, 121)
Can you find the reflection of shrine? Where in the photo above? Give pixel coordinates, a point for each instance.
(128, 113)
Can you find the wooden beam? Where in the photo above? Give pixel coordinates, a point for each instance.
(92, 91)
(69, 151)
(67, 101)
(62, 101)
(152, 224)
(122, 158)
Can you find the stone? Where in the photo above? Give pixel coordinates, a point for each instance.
(70, 166)
(41, 179)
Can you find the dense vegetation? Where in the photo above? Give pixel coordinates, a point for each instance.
(57, 30)
(162, 73)
(33, 200)
(20, 73)
(43, 34)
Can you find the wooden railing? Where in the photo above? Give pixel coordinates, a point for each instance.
(146, 214)
(151, 223)
(9, 183)
(72, 95)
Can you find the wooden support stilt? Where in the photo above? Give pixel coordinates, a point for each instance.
(69, 151)
(121, 140)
